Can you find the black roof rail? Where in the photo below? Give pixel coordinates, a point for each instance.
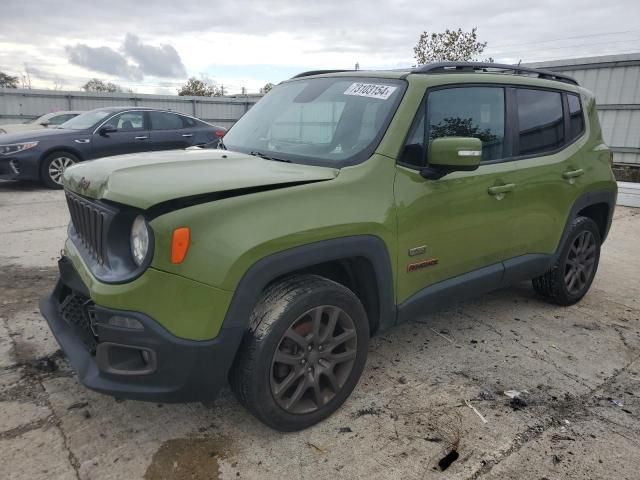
(466, 67)
(319, 72)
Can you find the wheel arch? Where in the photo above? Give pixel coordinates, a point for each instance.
(361, 263)
(597, 205)
(358, 274)
(600, 213)
(64, 149)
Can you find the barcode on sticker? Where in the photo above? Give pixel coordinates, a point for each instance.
(370, 90)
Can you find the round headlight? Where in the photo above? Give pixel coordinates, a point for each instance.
(139, 239)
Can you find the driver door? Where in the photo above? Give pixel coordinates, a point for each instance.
(132, 135)
(455, 225)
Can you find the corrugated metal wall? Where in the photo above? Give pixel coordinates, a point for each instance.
(615, 81)
(17, 105)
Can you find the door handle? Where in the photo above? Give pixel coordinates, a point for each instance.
(143, 137)
(572, 174)
(187, 134)
(501, 189)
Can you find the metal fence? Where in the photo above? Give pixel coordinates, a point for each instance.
(615, 81)
(20, 105)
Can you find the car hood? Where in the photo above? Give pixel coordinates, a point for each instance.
(148, 179)
(38, 134)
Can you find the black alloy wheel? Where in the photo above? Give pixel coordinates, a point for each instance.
(575, 265)
(313, 359)
(303, 353)
(580, 262)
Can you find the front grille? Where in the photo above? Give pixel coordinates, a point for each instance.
(89, 222)
(78, 311)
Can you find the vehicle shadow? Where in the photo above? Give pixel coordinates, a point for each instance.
(21, 186)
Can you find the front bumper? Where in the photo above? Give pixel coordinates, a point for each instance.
(23, 166)
(110, 359)
(9, 169)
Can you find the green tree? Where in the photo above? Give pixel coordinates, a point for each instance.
(450, 45)
(461, 127)
(8, 81)
(97, 85)
(201, 88)
(267, 88)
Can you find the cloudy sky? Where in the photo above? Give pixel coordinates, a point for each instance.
(153, 46)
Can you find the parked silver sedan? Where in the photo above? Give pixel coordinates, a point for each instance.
(47, 120)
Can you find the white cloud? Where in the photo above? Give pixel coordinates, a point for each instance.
(249, 42)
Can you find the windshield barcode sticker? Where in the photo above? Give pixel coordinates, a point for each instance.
(370, 90)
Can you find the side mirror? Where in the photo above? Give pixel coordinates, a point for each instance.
(45, 123)
(452, 154)
(108, 128)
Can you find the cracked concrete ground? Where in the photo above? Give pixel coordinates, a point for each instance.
(407, 413)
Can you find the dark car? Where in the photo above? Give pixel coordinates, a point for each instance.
(44, 155)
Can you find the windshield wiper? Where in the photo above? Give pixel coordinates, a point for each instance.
(267, 157)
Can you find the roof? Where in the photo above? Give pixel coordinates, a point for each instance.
(132, 107)
(62, 112)
(448, 68)
(124, 107)
(355, 73)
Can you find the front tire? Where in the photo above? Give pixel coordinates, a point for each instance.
(571, 276)
(53, 167)
(303, 354)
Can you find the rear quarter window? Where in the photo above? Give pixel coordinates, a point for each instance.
(576, 116)
(165, 121)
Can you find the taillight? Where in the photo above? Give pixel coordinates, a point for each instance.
(219, 133)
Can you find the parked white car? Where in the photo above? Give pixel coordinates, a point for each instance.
(48, 120)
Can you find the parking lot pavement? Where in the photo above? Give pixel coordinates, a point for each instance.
(577, 368)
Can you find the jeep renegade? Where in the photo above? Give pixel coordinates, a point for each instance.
(341, 204)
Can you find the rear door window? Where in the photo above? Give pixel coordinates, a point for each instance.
(165, 121)
(576, 117)
(540, 121)
(477, 112)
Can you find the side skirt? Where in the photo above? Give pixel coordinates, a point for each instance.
(473, 284)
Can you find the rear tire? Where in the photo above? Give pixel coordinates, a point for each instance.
(303, 354)
(572, 274)
(53, 166)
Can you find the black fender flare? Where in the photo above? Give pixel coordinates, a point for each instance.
(265, 270)
(585, 200)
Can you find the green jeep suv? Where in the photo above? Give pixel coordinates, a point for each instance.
(341, 204)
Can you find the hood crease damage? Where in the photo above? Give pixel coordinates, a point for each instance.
(165, 207)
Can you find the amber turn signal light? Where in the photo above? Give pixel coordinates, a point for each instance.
(180, 244)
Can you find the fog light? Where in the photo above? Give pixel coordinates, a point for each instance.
(146, 357)
(15, 166)
(125, 322)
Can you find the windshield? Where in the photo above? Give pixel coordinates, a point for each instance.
(324, 121)
(86, 120)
